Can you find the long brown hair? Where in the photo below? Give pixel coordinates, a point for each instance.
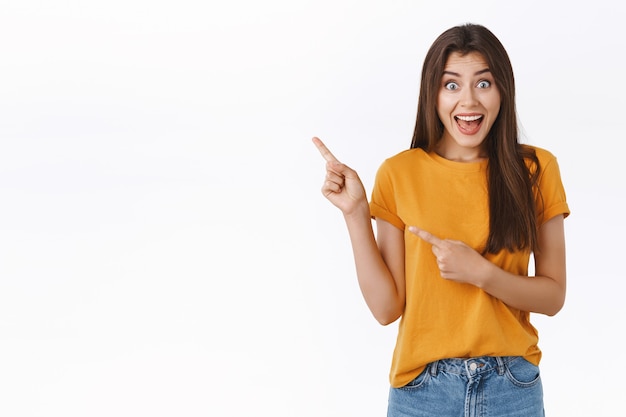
(511, 182)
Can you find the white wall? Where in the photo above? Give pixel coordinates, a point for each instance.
(164, 248)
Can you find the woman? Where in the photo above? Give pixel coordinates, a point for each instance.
(457, 217)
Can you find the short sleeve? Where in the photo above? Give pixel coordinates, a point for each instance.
(552, 200)
(383, 203)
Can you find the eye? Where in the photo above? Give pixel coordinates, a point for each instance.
(483, 84)
(451, 85)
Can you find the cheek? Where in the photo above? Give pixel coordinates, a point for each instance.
(496, 109)
(444, 107)
(492, 103)
(443, 117)
(496, 102)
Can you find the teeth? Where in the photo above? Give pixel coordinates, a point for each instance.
(468, 118)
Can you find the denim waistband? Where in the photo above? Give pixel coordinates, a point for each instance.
(471, 366)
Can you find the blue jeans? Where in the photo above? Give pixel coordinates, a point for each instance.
(508, 386)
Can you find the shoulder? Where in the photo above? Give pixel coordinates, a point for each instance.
(544, 156)
(550, 173)
(397, 167)
(542, 153)
(406, 157)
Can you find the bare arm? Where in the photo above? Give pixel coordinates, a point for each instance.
(543, 293)
(379, 266)
(379, 262)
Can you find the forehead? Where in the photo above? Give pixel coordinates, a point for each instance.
(470, 62)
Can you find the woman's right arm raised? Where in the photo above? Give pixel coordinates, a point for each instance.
(379, 262)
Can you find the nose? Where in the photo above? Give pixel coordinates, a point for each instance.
(468, 97)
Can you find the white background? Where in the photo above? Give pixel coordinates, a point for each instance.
(164, 247)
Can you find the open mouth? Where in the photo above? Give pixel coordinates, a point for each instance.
(469, 125)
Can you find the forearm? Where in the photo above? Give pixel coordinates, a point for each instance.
(383, 296)
(538, 294)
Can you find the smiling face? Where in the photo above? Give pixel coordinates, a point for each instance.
(468, 104)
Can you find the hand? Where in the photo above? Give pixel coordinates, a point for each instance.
(456, 260)
(342, 186)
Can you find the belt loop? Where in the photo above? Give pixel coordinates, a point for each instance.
(501, 366)
(433, 368)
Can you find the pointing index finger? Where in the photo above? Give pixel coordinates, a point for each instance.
(426, 236)
(326, 154)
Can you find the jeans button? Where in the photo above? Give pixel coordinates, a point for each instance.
(473, 366)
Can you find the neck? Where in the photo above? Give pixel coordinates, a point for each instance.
(459, 153)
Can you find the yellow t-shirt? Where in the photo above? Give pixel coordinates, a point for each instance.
(446, 319)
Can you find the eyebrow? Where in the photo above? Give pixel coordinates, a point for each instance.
(456, 74)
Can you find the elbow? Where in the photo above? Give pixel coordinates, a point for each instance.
(552, 313)
(386, 311)
(385, 318)
(552, 298)
(385, 321)
(554, 308)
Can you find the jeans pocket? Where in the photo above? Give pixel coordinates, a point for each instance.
(419, 381)
(522, 373)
